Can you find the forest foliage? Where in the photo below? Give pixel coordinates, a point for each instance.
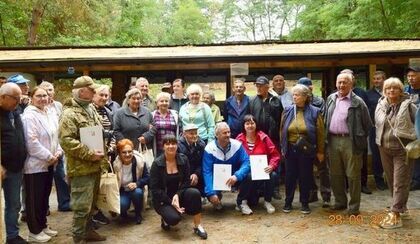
(189, 22)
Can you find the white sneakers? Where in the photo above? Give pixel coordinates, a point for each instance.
(50, 232)
(43, 236)
(39, 238)
(270, 208)
(244, 208)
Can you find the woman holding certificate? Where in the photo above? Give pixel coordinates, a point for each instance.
(170, 186)
(41, 132)
(257, 142)
(301, 140)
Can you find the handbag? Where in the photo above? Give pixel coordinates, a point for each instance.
(304, 146)
(109, 193)
(412, 149)
(147, 155)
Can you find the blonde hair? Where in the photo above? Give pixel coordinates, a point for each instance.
(395, 82)
(163, 95)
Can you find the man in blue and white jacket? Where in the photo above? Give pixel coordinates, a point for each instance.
(225, 150)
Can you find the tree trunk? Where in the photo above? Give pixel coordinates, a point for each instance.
(37, 13)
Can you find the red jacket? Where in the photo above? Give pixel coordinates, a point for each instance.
(263, 146)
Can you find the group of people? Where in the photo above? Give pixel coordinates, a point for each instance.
(189, 136)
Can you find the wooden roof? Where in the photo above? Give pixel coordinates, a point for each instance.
(110, 54)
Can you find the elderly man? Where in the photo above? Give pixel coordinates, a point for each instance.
(84, 165)
(413, 88)
(267, 110)
(62, 187)
(13, 155)
(373, 96)
(279, 86)
(143, 85)
(347, 125)
(23, 84)
(236, 107)
(225, 150)
(322, 167)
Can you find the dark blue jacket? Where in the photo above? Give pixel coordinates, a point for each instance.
(310, 115)
(194, 154)
(373, 97)
(234, 115)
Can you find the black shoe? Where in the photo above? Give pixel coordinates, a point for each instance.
(276, 194)
(381, 186)
(164, 225)
(305, 209)
(338, 208)
(326, 204)
(366, 190)
(200, 232)
(138, 220)
(100, 218)
(287, 208)
(414, 187)
(16, 240)
(313, 196)
(64, 209)
(353, 212)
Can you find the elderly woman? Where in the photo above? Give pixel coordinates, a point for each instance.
(132, 176)
(257, 142)
(134, 121)
(170, 186)
(208, 97)
(302, 139)
(394, 122)
(41, 132)
(198, 113)
(166, 120)
(178, 97)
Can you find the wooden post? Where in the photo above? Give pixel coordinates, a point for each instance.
(120, 84)
(372, 69)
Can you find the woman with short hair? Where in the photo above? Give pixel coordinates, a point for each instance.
(301, 124)
(198, 113)
(132, 176)
(394, 122)
(172, 194)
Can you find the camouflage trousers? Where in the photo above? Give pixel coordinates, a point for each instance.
(84, 193)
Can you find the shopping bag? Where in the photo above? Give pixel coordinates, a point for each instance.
(109, 193)
(147, 155)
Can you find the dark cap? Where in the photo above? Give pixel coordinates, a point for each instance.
(413, 68)
(305, 81)
(262, 80)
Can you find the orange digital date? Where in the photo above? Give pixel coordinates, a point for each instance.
(339, 219)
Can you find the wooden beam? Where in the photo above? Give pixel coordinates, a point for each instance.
(372, 70)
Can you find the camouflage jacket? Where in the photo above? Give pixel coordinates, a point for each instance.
(78, 155)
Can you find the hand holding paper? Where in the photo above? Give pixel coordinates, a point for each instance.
(258, 165)
(221, 175)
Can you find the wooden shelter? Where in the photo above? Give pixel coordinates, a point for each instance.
(161, 64)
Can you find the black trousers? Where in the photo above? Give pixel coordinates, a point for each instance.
(38, 188)
(190, 199)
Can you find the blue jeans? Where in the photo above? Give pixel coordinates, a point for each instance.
(11, 188)
(135, 196)
(62, 188)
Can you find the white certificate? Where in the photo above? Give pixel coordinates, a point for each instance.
(92, 137)
(258, 164)
(221, 173)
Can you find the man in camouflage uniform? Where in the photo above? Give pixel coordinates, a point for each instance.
(83, 165)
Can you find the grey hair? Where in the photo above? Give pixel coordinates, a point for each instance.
(45, 84)
(163, 95)
(101, 88)
(194, 88)
(211, 94)
(141, 79)
(131, 92)
(303, 90)
(8, 88)
(219, 126)
(347, 76)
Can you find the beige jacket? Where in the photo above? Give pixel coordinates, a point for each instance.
(139, 169)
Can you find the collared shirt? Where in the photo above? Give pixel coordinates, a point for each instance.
(338, 123)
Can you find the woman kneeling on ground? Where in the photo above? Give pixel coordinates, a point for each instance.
(171, 192)
(132, 176)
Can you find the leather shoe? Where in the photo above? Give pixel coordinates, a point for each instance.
(139, 219)
(381, 186)
(313, 196)
(276, 195)
(338, 207)
(200, 232)
(94, 236)
(164, 225)
(353, 212)
(366, 190)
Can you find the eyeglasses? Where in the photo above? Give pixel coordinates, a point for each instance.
(17, 99)
(41, 96)
(127, 152)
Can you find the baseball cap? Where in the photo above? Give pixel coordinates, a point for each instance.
(17, 79)
(413, 68)
(305, 81)
(262, 80)
(85, 81)
(190, 127)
